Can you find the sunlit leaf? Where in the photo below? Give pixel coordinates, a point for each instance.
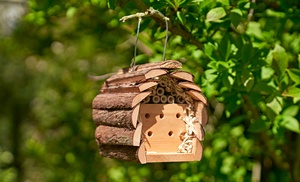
(291, 111)
(215, 14)
(292, 92)
(290, 123)
(294, 74)
(280, 57)
(235, 17)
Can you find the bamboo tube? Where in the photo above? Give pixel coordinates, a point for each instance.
(171, 99)
(179, 100)
(168, 89)
(156, 99)
(163, 99)
(147, 100)
(153, 91)
(160, 91)
(173, 93)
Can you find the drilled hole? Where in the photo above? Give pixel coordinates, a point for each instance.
(170, 133)
(150, 133)
(161, 116)
(178, 115)
(147, 115)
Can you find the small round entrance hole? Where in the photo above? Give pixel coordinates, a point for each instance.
(178, 115)
(150, 133)
(147, 115)
(161, 116)
(170, 133)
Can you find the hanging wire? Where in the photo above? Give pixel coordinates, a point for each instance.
(166, 40)
(148, 12)
(132, 65)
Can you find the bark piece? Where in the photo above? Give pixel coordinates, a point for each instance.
(116, 118)
(118, 136)
(135, 76)
(128, 153)
(200, 133)
(128, 87)
(118, 101)
(190, 85)
(182, 75)
(198, 96)
(168, 64)
(201, 113)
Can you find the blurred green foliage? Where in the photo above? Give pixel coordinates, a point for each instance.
(244, 54)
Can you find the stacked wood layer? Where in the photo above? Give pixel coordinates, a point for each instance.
(121, 111)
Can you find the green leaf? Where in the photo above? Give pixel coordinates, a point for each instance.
(225, 47)
(247, 52)
(215, 14)
(290, 123)
(181, 17)
(275, 105)
(235, 17)
(248, 80)
(224, 2)
(291, 92)
(258, 126)
(280, 60)
(294, 75)
(291, 111)
(111, 4)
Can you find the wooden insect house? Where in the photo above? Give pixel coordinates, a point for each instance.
(152, 113)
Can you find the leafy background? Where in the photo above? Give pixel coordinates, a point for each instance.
(244, 55)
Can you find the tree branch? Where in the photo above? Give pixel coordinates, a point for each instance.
(175, 29)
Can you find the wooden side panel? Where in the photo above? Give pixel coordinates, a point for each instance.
(162, 126)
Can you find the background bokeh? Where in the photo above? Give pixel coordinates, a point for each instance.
(244, 55)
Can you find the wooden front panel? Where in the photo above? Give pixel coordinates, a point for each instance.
(162, 126)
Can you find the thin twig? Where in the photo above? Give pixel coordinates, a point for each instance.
(148, 12)
(251, 11)
(175, 29)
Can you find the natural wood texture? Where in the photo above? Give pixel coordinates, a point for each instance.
(135, 115)
(128, 87)
(198, 96)
(117, 136)
(197, 150)
(201, 113)
(199, 131)
(116, 118)
(162, 126)
(128, 153)
(168, 64)
(169, 157)
(118, 101)
(138, 98)
(182, 75)
(190, 85)
(176, 157)
(135, 76)
(114, 101)
(142, 154)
